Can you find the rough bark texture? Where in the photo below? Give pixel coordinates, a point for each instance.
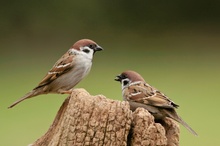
(85, 120)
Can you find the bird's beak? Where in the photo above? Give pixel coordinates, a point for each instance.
(118, 78)
(98, 48)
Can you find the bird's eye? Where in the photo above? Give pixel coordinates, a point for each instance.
(92, 46)
(86, 50)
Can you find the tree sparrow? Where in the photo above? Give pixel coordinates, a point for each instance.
(68, 71)
(140, 94)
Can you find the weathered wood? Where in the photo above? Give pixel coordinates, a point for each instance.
(85, 120)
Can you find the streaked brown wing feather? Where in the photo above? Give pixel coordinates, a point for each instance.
(144, 93)
(63, 65)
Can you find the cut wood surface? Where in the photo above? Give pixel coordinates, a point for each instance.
(85, 120)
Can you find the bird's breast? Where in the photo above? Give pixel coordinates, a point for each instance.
(71, 78)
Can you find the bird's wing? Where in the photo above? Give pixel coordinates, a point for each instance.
(63, 65)
(143, 93)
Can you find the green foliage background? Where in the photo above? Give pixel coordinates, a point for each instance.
(173, 45)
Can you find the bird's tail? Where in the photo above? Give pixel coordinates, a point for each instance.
(177, 118)
(26, 96)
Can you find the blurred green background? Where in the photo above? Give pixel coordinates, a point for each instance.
(174, 45)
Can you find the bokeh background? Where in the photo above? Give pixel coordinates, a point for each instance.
(174, 45)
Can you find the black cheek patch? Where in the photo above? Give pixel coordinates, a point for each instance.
(86, 50)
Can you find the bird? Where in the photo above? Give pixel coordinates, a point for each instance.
(140, 94)
(67, 72)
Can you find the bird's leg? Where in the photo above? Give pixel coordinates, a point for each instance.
(61, 91)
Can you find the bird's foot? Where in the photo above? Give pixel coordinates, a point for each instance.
(65, 91)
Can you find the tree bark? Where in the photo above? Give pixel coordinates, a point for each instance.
(85, 120)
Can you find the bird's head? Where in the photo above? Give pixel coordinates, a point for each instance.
(87, 47)
(127, 77)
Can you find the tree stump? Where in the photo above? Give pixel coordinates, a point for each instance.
(85, 120)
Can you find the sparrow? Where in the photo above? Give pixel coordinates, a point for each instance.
(140, 94)
(68, 71)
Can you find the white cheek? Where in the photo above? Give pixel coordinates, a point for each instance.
(125, 85)
(88, 55)
(122, 86)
